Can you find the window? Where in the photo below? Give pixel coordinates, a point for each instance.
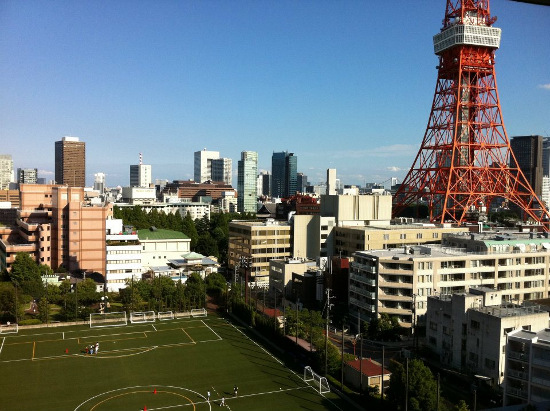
(386, 236)
(490, 364)
(419, 235)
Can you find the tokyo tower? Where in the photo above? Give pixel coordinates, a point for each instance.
(463, 164)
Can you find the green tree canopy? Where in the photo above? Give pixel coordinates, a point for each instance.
(422, 386)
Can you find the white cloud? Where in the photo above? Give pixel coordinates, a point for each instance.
(394, 168)
(545, 86)
(46, 172)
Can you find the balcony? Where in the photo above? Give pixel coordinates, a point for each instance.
(518, 374)
(363, 280)
(518, 392)
(518, 356)
(363, 292)
(541, 381)
(369, 307)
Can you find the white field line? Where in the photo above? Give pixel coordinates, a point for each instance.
(134, 388)
(212, 330)
(276, 359)
(3, 340)
(228, 399)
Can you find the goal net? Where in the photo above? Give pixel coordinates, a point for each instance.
(198, 312)
(142, 317)
(165, 315)
(115, 319)
(9, 329)
(319, 382)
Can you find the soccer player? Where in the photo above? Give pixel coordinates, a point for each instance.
(208, 396)
(235, 389)
(96, 347)
(222, 402)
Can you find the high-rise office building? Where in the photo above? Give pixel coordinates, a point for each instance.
(331, 181)
(301, 182)
(284, 174)
(203, 165)
(70, 162)
(246, 182)
(266, 183)
(140, 174)
(546, 156)
(27, 175)
(99, 182)
(528, 152)
(6, 171)
(222, 170)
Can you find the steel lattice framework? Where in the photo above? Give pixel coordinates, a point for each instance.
(464, 161)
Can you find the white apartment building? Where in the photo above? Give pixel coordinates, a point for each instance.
(390, 281)
(527, 372)
(196, 210)
(123, 256)
(468, 331)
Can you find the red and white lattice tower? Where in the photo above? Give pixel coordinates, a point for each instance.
(464, 161)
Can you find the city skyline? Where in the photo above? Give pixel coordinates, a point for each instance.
(344, 85)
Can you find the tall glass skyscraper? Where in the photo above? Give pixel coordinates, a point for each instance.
(284, 174)
(246, 182)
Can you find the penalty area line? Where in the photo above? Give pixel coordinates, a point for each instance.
(215, 333)
(2, 346)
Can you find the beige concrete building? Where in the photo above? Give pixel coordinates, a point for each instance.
(259, 242)
(312, 236)
(527, 377)
(468, 331)
(280, 273)
(392, 281)
(357, 210)
(349, 239)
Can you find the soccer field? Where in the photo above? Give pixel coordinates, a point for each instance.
(165, 365)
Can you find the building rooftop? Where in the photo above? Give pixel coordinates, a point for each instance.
(369, 367)
(161, 234)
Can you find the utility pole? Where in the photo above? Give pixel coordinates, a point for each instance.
(342, 363)
(326, 331)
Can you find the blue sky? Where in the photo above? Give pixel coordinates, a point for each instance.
(342, 84)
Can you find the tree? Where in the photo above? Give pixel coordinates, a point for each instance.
(422, 386)
(25, 274)
(188, 228)
(215, 284)
(194, 290)
(206, 245)
(462, 406)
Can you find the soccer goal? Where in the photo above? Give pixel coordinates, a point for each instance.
(115, 319)
(142, 317)
(9, 328)
(165, 315)
(320, 382)
(198, 312)
(184, 314)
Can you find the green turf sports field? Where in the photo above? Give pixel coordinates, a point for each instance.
(166, 365)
